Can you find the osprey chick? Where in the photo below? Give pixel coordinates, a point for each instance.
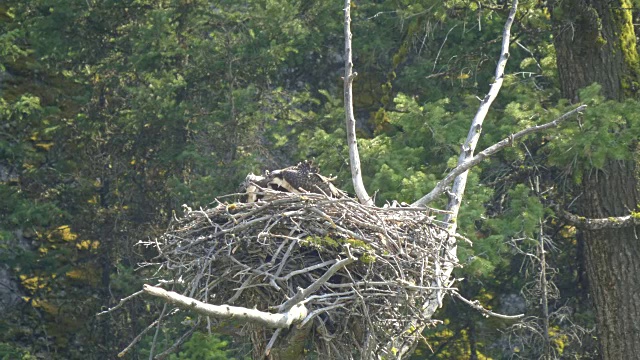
(302, 178)
(298, 179)
(254, 184)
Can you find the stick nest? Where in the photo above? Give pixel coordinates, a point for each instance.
(262, 254)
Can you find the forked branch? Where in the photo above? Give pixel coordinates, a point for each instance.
(449, 253)
(441, 187)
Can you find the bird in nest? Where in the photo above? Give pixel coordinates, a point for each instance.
(299, 179)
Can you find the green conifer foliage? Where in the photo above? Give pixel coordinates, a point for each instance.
(115, 113)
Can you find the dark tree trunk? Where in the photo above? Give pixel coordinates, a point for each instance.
(595, 42)
(473, 345)
(613, 260)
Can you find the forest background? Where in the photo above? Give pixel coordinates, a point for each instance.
(115, 113)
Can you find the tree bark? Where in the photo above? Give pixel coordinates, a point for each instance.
(595, 42)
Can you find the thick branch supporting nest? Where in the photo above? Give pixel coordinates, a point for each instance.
(362, 273)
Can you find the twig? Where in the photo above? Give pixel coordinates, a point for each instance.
(307, 269)
(317, 312)
(137, 338)
(435, 62)
(545, 291)
(120, 303)
(303, 293)
(155, 336)
(476, 305)
(163, 355)
(275, 335)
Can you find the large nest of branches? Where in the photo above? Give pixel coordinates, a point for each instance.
(364, 273)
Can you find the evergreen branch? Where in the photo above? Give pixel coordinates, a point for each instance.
(441, 187)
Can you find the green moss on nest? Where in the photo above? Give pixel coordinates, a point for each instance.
(367, 258)
(328, 243)
(320, 242)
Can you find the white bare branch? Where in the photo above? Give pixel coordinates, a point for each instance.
(349, 75)
(296, 314)
(476, 305)
(469, 146)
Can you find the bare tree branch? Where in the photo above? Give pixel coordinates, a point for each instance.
(138, 338)
(120, 303)
(441, 187)
(544, 287)
(604, 223)
(476, 305)
(171, 349)
(349, 75)
(475, 130)
(283, 320)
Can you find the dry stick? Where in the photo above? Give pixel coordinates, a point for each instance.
(124, 300)
(163, 355)
(285, 258)
(119, 305)
(155, 336)
(275, 335)
(137, 338)
(396, 283)
(545, 294)
(307, 269)
(304, 293)
(463, 167)
(476, 305)
(349, 75)
(295, 313)
(237, 228)
(317, 312)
